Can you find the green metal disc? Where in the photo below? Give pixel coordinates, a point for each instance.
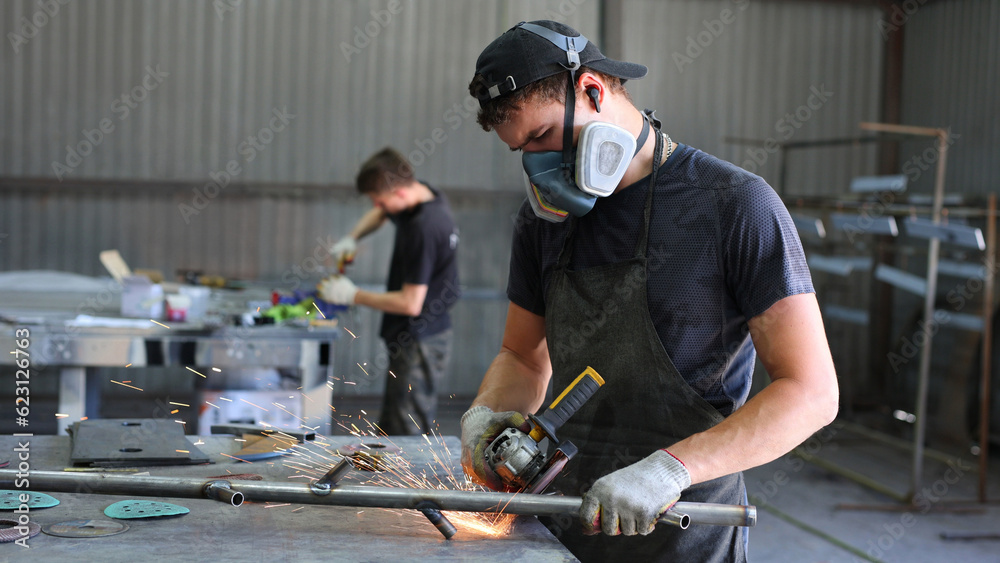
(11, 500)
(129, 509)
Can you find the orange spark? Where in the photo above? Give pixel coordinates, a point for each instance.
(253, 405)
(317, 310)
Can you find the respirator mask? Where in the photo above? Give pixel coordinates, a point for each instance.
(602, 155)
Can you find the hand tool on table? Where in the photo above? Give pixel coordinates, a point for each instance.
(517, 458)
(263, 443)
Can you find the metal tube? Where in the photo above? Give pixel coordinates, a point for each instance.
(987, 349)
(351, 495)
(221, 491)
(325, 483)
(440, 521)
(930, 297)
(675, 518)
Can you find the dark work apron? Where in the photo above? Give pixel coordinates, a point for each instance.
(599, 317)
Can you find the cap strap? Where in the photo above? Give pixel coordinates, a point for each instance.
(502, 88)
(572, 45)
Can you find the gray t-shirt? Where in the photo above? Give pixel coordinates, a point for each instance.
(722, 250)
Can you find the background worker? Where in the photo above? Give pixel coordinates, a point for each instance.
(668, 286)
(422, 287)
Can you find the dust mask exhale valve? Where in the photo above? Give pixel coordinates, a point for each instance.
(603, 154)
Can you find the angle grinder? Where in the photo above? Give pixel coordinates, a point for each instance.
(517, 458)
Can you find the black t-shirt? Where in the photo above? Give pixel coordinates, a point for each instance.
(722, 249)
(424, 254)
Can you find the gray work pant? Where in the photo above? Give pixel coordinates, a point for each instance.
(417, 369)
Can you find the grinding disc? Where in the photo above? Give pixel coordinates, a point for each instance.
(11, 500)
(369, 456)
(370, 448)
(128, 509)
(8, 533)
(85, 528)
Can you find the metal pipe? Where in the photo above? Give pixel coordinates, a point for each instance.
(676, 518)
(351, 495)
(987, 348)
(923, 382)
(440, 521)
(325, 484)
(222, 491)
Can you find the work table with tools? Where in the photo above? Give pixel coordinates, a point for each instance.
(77, 328)
(272, 531)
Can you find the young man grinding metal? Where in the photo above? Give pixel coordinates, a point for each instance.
(664, 268)
(422, 287)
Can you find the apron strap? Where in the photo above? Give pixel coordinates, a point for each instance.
(641, 246)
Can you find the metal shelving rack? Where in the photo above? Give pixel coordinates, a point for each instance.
(934, 231)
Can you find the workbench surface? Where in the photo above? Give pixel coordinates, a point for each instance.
(214, 531)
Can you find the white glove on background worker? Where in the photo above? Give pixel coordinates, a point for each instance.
(337, 290)
(343, 252)
(630, 500)
(480, 425)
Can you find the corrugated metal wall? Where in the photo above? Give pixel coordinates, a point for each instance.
(185, 83)
(750, 69)
(951, 78)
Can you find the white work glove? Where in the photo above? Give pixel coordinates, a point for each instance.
(480, 425)
(337, 290)
(630, 500)
(343, 252)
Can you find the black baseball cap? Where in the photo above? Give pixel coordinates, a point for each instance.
(530, 51)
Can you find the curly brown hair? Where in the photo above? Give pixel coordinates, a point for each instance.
(553, 88)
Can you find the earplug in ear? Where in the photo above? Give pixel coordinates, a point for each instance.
(595, 94)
